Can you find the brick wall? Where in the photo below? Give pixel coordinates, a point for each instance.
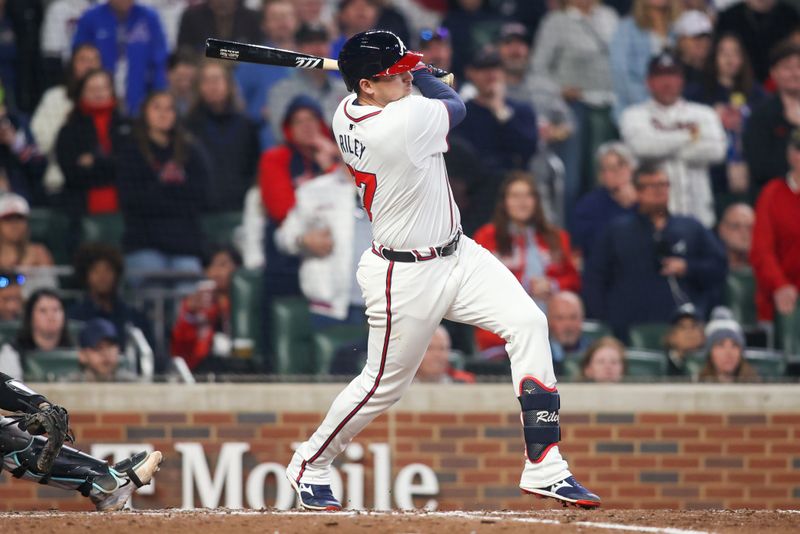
(633, 460)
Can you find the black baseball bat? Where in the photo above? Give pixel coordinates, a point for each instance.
(266, 55)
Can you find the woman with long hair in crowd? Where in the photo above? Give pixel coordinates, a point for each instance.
(730, 87)
(43, 328)
(725, 348)
(56, 105)
(536, 251)
(162, 176)
(229, 137)
(85, 145)
(641, 35)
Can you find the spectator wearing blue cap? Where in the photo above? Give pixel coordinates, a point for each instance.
(99, 355)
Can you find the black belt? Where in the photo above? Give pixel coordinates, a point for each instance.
(413, 256)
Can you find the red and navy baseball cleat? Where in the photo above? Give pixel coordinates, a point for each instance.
(316, 496)
(569, 491)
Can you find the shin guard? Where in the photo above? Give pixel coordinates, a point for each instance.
(540, 406)
(72, 469)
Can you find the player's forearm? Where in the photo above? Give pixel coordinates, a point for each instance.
(432, 87)
(16, 397)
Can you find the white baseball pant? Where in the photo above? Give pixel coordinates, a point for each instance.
(405, 303)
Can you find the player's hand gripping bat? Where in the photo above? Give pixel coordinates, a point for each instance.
(267, 55)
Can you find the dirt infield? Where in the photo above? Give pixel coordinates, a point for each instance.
(269, 522)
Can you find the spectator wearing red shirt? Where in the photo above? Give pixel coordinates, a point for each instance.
(775, 253)
(537, 252)
(201, 334)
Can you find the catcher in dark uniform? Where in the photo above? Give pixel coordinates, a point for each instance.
(32, 448)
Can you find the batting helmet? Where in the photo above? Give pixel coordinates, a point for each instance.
(374, 53)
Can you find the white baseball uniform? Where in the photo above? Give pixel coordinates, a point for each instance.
(396, 156)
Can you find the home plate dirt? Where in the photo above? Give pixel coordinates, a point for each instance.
(270, 522)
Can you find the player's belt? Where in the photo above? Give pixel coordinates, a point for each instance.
(412, 256)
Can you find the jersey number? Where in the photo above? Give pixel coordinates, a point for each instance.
(367, 182)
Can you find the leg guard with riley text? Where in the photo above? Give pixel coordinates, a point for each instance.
(540, 406)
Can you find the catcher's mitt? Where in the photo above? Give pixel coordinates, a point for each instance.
(53, 420)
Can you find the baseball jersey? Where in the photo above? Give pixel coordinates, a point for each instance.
(396, 155)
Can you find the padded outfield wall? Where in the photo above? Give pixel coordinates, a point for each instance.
(445, 447)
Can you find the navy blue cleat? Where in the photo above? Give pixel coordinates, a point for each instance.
(316, 496)
(569, 491)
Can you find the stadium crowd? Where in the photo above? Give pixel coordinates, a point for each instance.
(634, 163)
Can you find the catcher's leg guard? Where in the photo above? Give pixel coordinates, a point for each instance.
(540, 406)
(71, 470)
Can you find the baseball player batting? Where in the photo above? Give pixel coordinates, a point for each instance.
(421, 268)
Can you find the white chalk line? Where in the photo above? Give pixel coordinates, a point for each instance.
(516, 517)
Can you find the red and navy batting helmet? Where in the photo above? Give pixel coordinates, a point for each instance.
(374, 53)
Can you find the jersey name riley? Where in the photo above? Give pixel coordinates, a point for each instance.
(351, 146)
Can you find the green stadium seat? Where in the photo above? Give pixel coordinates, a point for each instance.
(246, 302)
(770, 364)
(219, 227)
(489, 368)
(595, 329)
(695, 362)
(292, 337)
(74, 328)
(328, 341)
(572, 369)
(787, 332)
(51, 228)
(740, 294)
(648, 335)
(8, 330)
(106, 228)
(51, 365)
(645, 364)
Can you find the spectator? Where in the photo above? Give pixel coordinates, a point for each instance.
(736, 233)
(684, 337)
(314, 13)
(646, 263)
(44, 327)
(760, 24)
(354, 16)
(728, 86)
(555, 119)
(202, 333)
(11, 300)
(21, 165)
(436, 47)
(307, 152)
(473, 26)
(16, 249)
(693, 30)
(54, 108)
(639, 37)
(98, 270)
(503, 133)
(221, 19)
(279, 25)
(565, 316)
(535, 251)
(604, 361)
(84, 148)
(435, 367)
(767, 133)
(132, 46)
(229, 138)
(330, 231)
(99, 355)
(20, 53)
(328, 91)
(725, 348)
(572, 49)
(614, 197)
(775, 254)
(687, 137)
(170, 13)
(58, 30)
(162, 176)
(182, 77)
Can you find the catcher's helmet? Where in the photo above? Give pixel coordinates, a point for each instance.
(374, 53)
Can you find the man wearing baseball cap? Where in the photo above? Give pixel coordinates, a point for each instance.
(693, 29)
(99, 355)
(686, 136)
